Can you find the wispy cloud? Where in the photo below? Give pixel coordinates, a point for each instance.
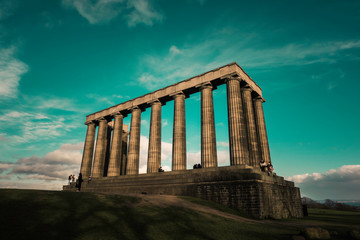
(31, 127)
(103, 11)
(176, 63)
(334, 183)
(7, 8)
(11, 70)
(142, 12)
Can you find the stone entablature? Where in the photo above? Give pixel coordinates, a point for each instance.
(216, 77)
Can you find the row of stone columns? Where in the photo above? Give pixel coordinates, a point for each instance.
(247, 135)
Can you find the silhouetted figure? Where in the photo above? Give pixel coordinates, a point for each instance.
(78, 182)
(73, 177)
(199, 166)
(69, 179)
(160, 169)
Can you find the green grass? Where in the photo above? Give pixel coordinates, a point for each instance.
(215, 205)
(27, 214)
(30, 214)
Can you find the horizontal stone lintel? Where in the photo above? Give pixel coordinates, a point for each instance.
(216, 77)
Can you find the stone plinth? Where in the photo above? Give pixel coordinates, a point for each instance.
(240, 187)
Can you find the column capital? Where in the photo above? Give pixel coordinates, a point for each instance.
(177, 94)
(101, 119)
(230, 78)
(117, 115)
(204, 85)
(154, 101)
(246, 88)
(258, 98)
(91, 122)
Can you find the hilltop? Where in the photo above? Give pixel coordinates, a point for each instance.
(70, 215)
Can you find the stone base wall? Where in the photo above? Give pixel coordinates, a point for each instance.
(240, 187)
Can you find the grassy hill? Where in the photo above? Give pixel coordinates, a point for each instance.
(31, 214)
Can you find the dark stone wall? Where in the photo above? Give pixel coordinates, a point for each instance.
(240, 187)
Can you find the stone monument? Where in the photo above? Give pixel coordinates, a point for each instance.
(114, 165)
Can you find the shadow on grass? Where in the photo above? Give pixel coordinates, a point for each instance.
(30, 214)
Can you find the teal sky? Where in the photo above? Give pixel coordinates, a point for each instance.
(62, 60)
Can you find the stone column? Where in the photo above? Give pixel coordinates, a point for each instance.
(108, 145)
(239, 152)
(132, 167)
(88, 150)
(179, 133)
(251, 126)
(125, 139)
(116, 146)
(261, 129)
(154, 152)
(208, 138)
(100, 150)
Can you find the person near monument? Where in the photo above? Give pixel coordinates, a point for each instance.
(271, 169)
(89, 179)
(69, 179)
(73, 178)
(160, 169)
(263, 165)
(79, 181)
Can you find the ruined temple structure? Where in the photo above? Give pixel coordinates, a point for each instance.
(114, 165)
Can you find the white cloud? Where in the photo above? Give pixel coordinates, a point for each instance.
(142, 12)
(99, 98)
(103, 11)
(177, 63)
(33, 126)
(174, 50)
(11, 70)
(47, 172)
(222, 144)
(96, 11)
(334, 183)
(164, 122)
(144, 123)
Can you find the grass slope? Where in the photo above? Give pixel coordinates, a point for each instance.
(30, 214)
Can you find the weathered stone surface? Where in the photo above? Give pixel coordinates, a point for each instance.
(179, 133)
(86, 162)
(208, 138)
(239, 150)
(240, 187)
(132, 166)
(154, 153)
(188, 86)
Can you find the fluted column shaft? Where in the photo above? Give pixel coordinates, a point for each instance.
(108, 145)
(261, 130)
(208, 138)
(179, 134)
(154, 152)
(88, 150)
(251, 126)
(100, 150)
(116, 147)
(124, 157)
(132, 167)
(239, 152)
